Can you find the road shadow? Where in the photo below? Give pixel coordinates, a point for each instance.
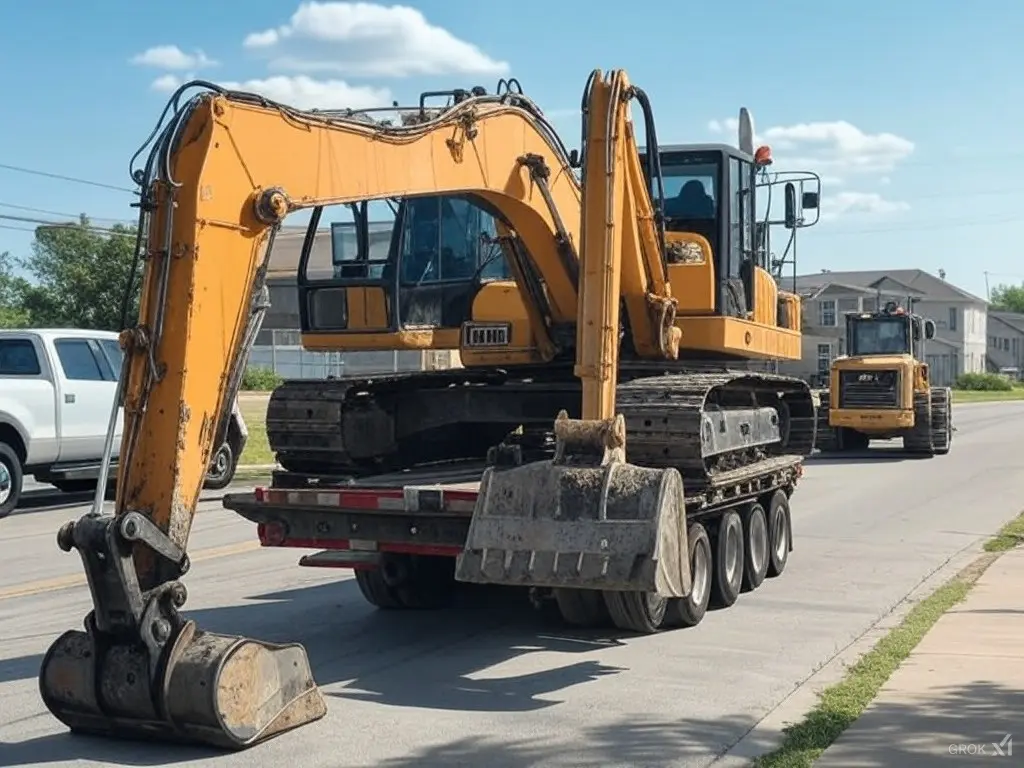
(879, 455)
(947, 727)
(441, 660)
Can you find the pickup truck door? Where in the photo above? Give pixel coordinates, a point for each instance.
(87, 394)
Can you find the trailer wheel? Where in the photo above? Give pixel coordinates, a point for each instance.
(640, 612)
(728, 563)
(377, 593)
(756, 547)
(417, 582)
(582, 607)
(780, 526)
(689, 611)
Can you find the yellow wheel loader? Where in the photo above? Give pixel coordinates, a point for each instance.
(880, 388)
(663, 479)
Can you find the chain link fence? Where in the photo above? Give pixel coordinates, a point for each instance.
(281, 351)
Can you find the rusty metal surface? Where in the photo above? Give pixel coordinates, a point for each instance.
(214, 690)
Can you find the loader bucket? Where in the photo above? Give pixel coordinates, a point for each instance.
(214, 690)
(584, 520)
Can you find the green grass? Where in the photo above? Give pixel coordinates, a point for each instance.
(841, 704)
(982, 396)
(1009, 536)
(257, 448)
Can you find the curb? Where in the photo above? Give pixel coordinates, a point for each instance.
(768, 734)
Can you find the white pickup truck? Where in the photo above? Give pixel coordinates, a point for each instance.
(57, 387)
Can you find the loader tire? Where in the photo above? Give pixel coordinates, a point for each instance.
(582, 607)
(640, 612)
(780, 533)
(728, 562)
(756, 547)
(689, 611)
(942, 420)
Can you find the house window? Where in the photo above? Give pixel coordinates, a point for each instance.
(952, 318)
(824, 358)
(827, 313)
(1016, 347)
(1006, 344)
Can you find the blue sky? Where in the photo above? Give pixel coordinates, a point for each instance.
(912, 114)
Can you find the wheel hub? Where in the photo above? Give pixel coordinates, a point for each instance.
(758, 541)
(731, 554)
(701, 581)
(5, 483)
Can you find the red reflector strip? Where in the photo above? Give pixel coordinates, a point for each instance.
(408, 499)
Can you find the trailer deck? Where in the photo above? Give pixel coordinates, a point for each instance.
(426, 511)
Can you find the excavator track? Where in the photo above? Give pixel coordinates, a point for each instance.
(702, 423)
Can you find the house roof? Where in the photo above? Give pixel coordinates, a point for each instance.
(916, 281)
(1014, 320)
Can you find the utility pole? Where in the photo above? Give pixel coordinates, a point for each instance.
(988, 292)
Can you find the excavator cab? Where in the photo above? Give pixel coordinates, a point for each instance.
(407, 283)
(716, 208)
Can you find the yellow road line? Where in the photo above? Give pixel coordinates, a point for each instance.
(63, 582)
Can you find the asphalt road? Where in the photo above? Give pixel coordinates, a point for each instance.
(485, 684)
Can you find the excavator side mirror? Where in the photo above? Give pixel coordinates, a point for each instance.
(791, 212)
(809, 201)
(929, 329)
(574, 158)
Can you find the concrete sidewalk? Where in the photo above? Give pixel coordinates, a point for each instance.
(959, 698)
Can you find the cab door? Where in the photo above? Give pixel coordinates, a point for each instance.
(404, 284)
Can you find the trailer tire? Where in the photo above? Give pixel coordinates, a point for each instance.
(756, 547)
(582, 607)
(640, 612)
(376, 591)
(728, 562)
(415, 582)
(780, 528)
(689, 611)
(11, 480)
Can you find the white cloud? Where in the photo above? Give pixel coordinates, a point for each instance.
(836, 148)
(846, 203)
(300, 91)
(172, 57)
(368, 40)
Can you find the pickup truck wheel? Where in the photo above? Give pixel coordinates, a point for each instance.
(222, 469)
(10, 480)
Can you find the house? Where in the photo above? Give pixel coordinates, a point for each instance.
(960, 343)
(1006, 342)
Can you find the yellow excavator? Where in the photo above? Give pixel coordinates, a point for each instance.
(880, 389)
(714, 453)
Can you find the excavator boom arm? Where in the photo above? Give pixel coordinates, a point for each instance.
(219, 182)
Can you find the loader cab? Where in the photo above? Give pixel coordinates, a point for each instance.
(404, 283)
(890, 331)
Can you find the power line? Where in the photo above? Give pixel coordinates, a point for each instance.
(60, 225)
(939, 226)
(30, 209)
(61, 177)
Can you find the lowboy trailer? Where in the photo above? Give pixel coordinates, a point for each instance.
(403, 533)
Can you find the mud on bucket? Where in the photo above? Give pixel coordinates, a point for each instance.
(614, 526)
(217, 690)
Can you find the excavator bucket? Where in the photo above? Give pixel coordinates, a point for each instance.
(584, 520)
(141, 671)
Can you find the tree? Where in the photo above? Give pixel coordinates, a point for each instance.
(1009, 298)
(12, 289)
(80, 276)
